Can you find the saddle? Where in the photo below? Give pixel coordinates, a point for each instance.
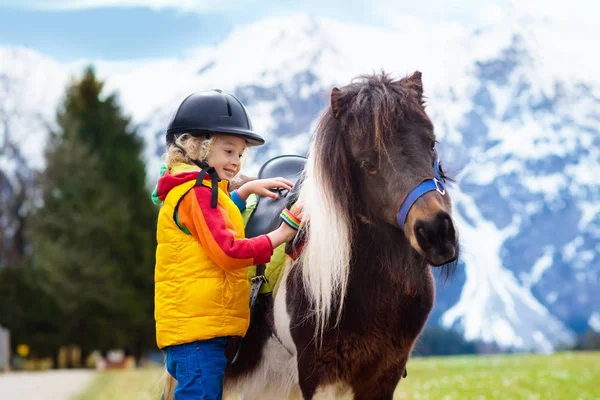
(265, 216)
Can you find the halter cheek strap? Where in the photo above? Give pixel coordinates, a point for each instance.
(426, 186)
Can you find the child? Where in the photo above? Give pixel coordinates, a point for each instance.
(201, 284)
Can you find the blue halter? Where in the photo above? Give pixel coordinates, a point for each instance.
(424, 187)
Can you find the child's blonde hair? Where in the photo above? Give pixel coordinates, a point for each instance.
(196, 148)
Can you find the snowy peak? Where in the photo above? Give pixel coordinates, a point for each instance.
(494, 307)
(31, 86)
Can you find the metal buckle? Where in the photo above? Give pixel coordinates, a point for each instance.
(261, 278)
(439, 187)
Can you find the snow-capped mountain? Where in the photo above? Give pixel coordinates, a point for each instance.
(515, 108)
(30, 88)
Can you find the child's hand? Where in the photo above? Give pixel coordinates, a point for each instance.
(261, 187)
(298, 210)
(286, 233)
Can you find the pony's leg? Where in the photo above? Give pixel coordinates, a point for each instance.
(316, 380)
(308, 378)
(381, 386)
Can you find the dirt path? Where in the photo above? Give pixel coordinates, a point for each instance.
(47, 385)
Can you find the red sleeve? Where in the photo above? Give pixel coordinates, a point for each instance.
(216, 233)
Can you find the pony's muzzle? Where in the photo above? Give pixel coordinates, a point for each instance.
(437, 238)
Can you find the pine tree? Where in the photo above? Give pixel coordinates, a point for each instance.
(94, 235)
(107, 132)
(73, 237)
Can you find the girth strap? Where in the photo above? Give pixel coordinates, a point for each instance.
(257, 283)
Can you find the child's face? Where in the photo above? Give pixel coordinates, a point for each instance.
(225, 155)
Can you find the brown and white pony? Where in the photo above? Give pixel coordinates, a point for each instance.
(349, 310)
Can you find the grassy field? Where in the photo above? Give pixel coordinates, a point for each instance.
(568, 376)
(142, 384)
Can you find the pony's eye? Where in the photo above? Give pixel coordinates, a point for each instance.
(367, 166)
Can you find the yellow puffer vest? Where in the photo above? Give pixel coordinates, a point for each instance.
(195, 299)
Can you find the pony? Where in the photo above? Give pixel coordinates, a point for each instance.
(351, 306)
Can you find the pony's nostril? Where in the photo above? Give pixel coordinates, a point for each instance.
(422, 236)
(448, 231)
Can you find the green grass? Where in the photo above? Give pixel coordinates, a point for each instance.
(568, 376)
(139, 384)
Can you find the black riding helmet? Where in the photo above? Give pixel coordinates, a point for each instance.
(212, 111)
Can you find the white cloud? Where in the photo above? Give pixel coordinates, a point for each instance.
(579, 15)
(183, 5)
(492, 13)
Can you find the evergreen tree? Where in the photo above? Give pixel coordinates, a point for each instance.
(73, 236)
(93, 238)
(589, 341)
(109, 135)
(439, 341)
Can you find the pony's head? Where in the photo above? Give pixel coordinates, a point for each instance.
(390, 151)
(374, 155)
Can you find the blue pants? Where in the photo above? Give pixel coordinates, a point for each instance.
(199, 368)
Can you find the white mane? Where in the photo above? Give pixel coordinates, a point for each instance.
(326, 256)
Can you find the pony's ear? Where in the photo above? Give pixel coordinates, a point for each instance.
(414, 82)
(335, 105)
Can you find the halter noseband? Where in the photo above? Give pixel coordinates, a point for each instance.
(424, 187)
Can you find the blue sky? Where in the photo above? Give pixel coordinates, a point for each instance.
(69, 30)
(110, 32)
